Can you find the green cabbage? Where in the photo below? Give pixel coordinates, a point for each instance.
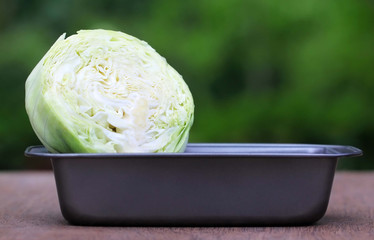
(106, 91)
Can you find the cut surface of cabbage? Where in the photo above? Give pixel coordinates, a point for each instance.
(106, 91)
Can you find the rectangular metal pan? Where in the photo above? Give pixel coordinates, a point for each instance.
(207, 185)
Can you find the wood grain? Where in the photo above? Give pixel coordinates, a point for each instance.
(29, 209)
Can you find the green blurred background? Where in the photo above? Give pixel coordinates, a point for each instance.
(260, 71)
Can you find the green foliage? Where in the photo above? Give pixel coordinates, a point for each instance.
(260, 71)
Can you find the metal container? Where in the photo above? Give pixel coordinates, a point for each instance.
(208, 185)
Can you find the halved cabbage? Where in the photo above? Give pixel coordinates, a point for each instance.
(106, 91)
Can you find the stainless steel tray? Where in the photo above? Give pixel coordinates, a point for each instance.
(208, 185)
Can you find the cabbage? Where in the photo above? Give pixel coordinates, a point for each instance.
(101, 91)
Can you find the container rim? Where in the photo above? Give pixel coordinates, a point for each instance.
(220, 150)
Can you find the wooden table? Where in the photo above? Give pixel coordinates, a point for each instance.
(29, 209)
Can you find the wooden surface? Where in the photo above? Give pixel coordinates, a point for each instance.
(29, 209)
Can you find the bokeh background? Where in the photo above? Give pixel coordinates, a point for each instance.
(260, 71)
